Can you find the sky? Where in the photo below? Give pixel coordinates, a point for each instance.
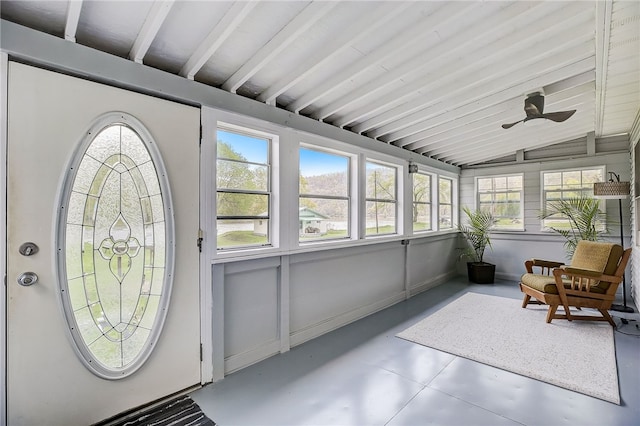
(312, 163)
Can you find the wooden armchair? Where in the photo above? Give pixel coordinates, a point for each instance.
(590, 281)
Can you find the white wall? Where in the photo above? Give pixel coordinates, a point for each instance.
(274, 303)
(511, 249)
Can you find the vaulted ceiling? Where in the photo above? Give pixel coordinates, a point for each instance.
(436, 78)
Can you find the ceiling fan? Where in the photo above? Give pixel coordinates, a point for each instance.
(534, 108)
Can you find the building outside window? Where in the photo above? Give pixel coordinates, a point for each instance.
(445, 203)
(324, 200)
(421, 213)
(566, 184)
(243, 184)
(381, 200)
(502, 196)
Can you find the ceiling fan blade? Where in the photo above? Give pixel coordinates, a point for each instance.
(559, 116)
(510, 125)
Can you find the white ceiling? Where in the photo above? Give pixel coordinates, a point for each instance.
(437, 78)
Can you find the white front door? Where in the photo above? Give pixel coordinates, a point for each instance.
(50, 374)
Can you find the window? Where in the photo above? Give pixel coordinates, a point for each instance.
(445, 203)
(421, 213)
(380, 199)
(502, 196)
(565, 184)
(323, 210)
(243, 185)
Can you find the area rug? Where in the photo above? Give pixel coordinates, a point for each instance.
(575, 355)
(180, 411)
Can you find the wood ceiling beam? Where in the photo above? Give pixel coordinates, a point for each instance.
(603, 38)
(487, 95)
(533, 143)
(436, 54)
(296, 27)
(74, 8)
(527, 62)
(359, 30)
(444, 59)
(450, 82)
(419, 33)
(491, 133)
(508, 112)
(156, 16)
(490, 146)
(218, 35)
(493, 130)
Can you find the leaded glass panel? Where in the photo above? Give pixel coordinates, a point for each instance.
(114, 254)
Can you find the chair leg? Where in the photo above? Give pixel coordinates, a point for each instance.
(525, 301)
(607, 316)
(551, 312)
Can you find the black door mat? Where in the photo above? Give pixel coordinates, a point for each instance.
(180, 411)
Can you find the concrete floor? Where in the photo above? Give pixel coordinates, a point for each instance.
(361, 374)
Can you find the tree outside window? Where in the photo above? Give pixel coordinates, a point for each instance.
(381, 199)
(445, 203)
(502, 197)
(323, 212)
(421, 213)
(564, 185)
(243, 190)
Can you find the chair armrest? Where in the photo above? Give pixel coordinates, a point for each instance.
(578, 271)
(546, 263)
(546, 266)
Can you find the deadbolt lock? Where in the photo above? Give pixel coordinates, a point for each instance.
(28, 249)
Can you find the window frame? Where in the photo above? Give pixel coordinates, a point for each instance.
(351, 159)
(396, 201)
(432, 205)
(453, 204)
(543, 191)
(506, 191)
(272, 138)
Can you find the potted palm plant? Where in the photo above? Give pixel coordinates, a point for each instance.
(477, 234)
(585, 220)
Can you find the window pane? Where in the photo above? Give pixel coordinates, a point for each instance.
(238, 233)
(381, 182)
(485, 184)
(235, 204)
(421, 217)
(515, 182)
(503, 200)
(381, 218)
(323, 219)
(243, 199)
(445, 217)
(444, 191)
(238, 175)
(421, 188)
(552, 180)
(237, 146)
(500, 183)
(572, 184)
(322, 173)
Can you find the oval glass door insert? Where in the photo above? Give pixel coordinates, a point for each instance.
(115, 246)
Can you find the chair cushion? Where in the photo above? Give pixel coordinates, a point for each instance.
(547, 284)
(598, 256)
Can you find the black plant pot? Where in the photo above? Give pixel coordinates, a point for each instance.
(481, 272)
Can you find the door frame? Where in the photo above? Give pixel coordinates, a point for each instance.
(4, 81)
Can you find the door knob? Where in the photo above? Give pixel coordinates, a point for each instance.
(27, 278)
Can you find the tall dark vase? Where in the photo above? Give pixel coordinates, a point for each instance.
(481, 272)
